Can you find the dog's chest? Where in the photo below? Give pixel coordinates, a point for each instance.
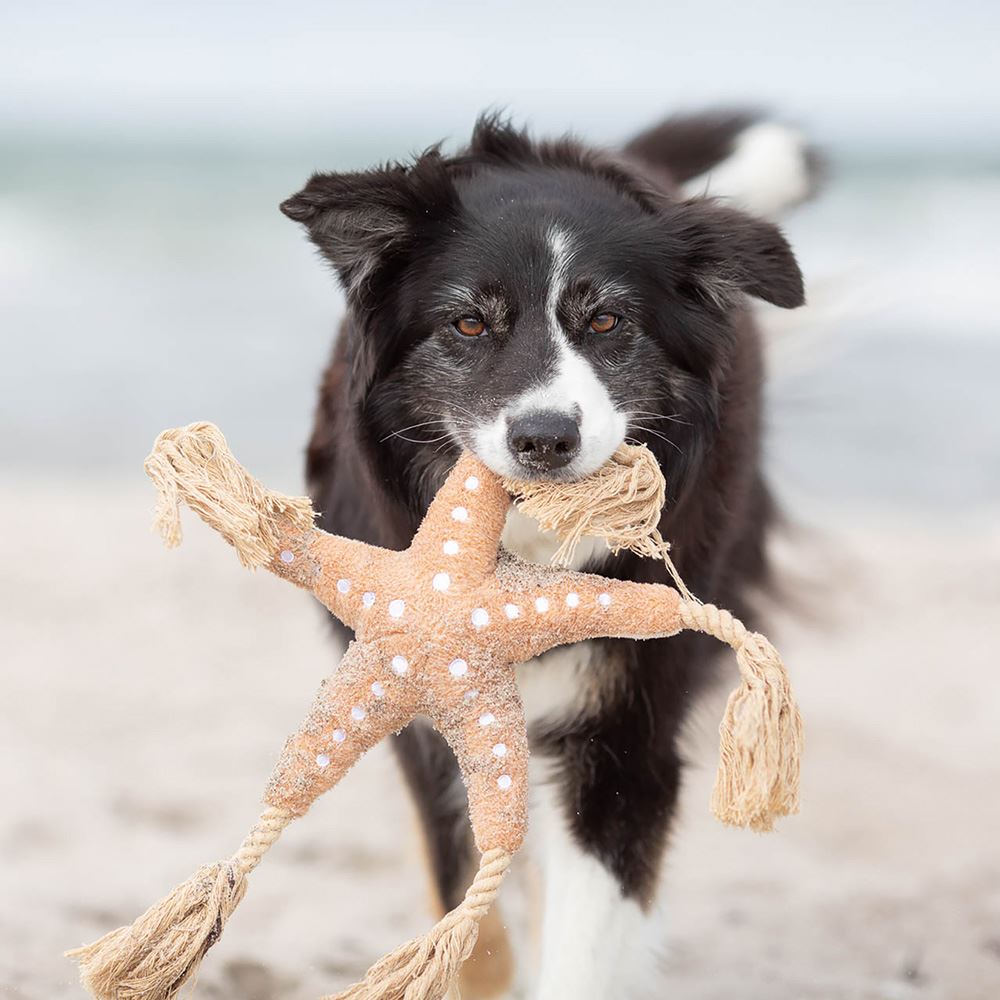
(556, 684)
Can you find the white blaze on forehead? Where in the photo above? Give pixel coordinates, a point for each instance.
(574, 388)
(562, 255)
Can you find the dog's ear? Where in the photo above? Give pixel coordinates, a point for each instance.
(361, 222)
(723, 252)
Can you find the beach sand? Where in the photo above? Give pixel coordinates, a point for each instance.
(147, 693)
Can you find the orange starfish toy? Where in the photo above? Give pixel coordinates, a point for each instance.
(439, 629)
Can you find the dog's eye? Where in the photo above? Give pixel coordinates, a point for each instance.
(470, 326)
(604, 322)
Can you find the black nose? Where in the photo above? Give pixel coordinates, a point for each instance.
(544, 440)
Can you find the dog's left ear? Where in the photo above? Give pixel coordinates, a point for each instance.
(724, 252)
(361, 222)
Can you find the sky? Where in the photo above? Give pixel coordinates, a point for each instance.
(896, 71)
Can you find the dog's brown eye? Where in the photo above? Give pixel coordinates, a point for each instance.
(470, 326)
(604, 322)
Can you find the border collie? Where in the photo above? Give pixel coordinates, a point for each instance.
(539, 303)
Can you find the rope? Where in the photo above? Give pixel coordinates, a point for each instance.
(154, 957)
(425, 967)
(261, 838)
(194, 464)
(714, 621)
(621, 502)
(760, 735)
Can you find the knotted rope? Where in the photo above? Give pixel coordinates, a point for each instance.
(194, 464)
(621, 502)
(160, 951)
(425, 967)
(760, 735)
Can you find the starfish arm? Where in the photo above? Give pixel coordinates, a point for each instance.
(340, 572)
(564, 607)
(489, 738)
(356, 707)
(460, 533)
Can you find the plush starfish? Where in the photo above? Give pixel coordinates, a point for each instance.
(438, 630)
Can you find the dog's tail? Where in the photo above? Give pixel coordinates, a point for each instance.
(756, 163)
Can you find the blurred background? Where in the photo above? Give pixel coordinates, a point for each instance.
(147, 280)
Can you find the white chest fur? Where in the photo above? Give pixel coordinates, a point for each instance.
(556, 684)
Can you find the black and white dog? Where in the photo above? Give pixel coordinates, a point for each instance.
(539, 303)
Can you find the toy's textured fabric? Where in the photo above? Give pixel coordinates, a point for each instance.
(439, 629)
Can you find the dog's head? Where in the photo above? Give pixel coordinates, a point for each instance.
(536, 303)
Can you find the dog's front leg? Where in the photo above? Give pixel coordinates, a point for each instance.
(608, 777)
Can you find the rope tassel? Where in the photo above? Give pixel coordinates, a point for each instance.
(159, 952)
(425, 968)
(194, 464)
(760, 736)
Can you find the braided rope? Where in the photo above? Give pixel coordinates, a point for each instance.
(480, 895)
(714, 621)
(261, 838)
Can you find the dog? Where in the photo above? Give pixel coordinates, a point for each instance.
(539, 303)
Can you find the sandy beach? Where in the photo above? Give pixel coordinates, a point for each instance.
(144, 695)
(147, 693)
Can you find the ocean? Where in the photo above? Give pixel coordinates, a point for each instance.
(147, 286)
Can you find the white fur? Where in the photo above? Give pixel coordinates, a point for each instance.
(523, 537)
(574, 390)
(555, 685)
(766, 173)
(595, 943)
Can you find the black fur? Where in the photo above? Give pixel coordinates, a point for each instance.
(416, 247)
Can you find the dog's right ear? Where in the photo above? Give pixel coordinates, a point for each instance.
(362, 222)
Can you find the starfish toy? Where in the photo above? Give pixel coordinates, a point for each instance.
(438, 631)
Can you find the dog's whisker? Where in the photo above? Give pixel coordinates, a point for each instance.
(411, 427)
(662, 437)
(672, 417)
(402, 437)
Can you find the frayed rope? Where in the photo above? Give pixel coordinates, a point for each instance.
(194, 464)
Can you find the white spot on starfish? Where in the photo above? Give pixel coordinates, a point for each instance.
(541, 604)
(472, 483)
(504, 782)
(572, 600)
(458, 668)
(460, 514)
(450, 547)
(288, 556)
(397, 607)
(399, 665)
(480, 617)
(441, 582)
(343, 586)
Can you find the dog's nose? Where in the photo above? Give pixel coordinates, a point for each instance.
(544, 440)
